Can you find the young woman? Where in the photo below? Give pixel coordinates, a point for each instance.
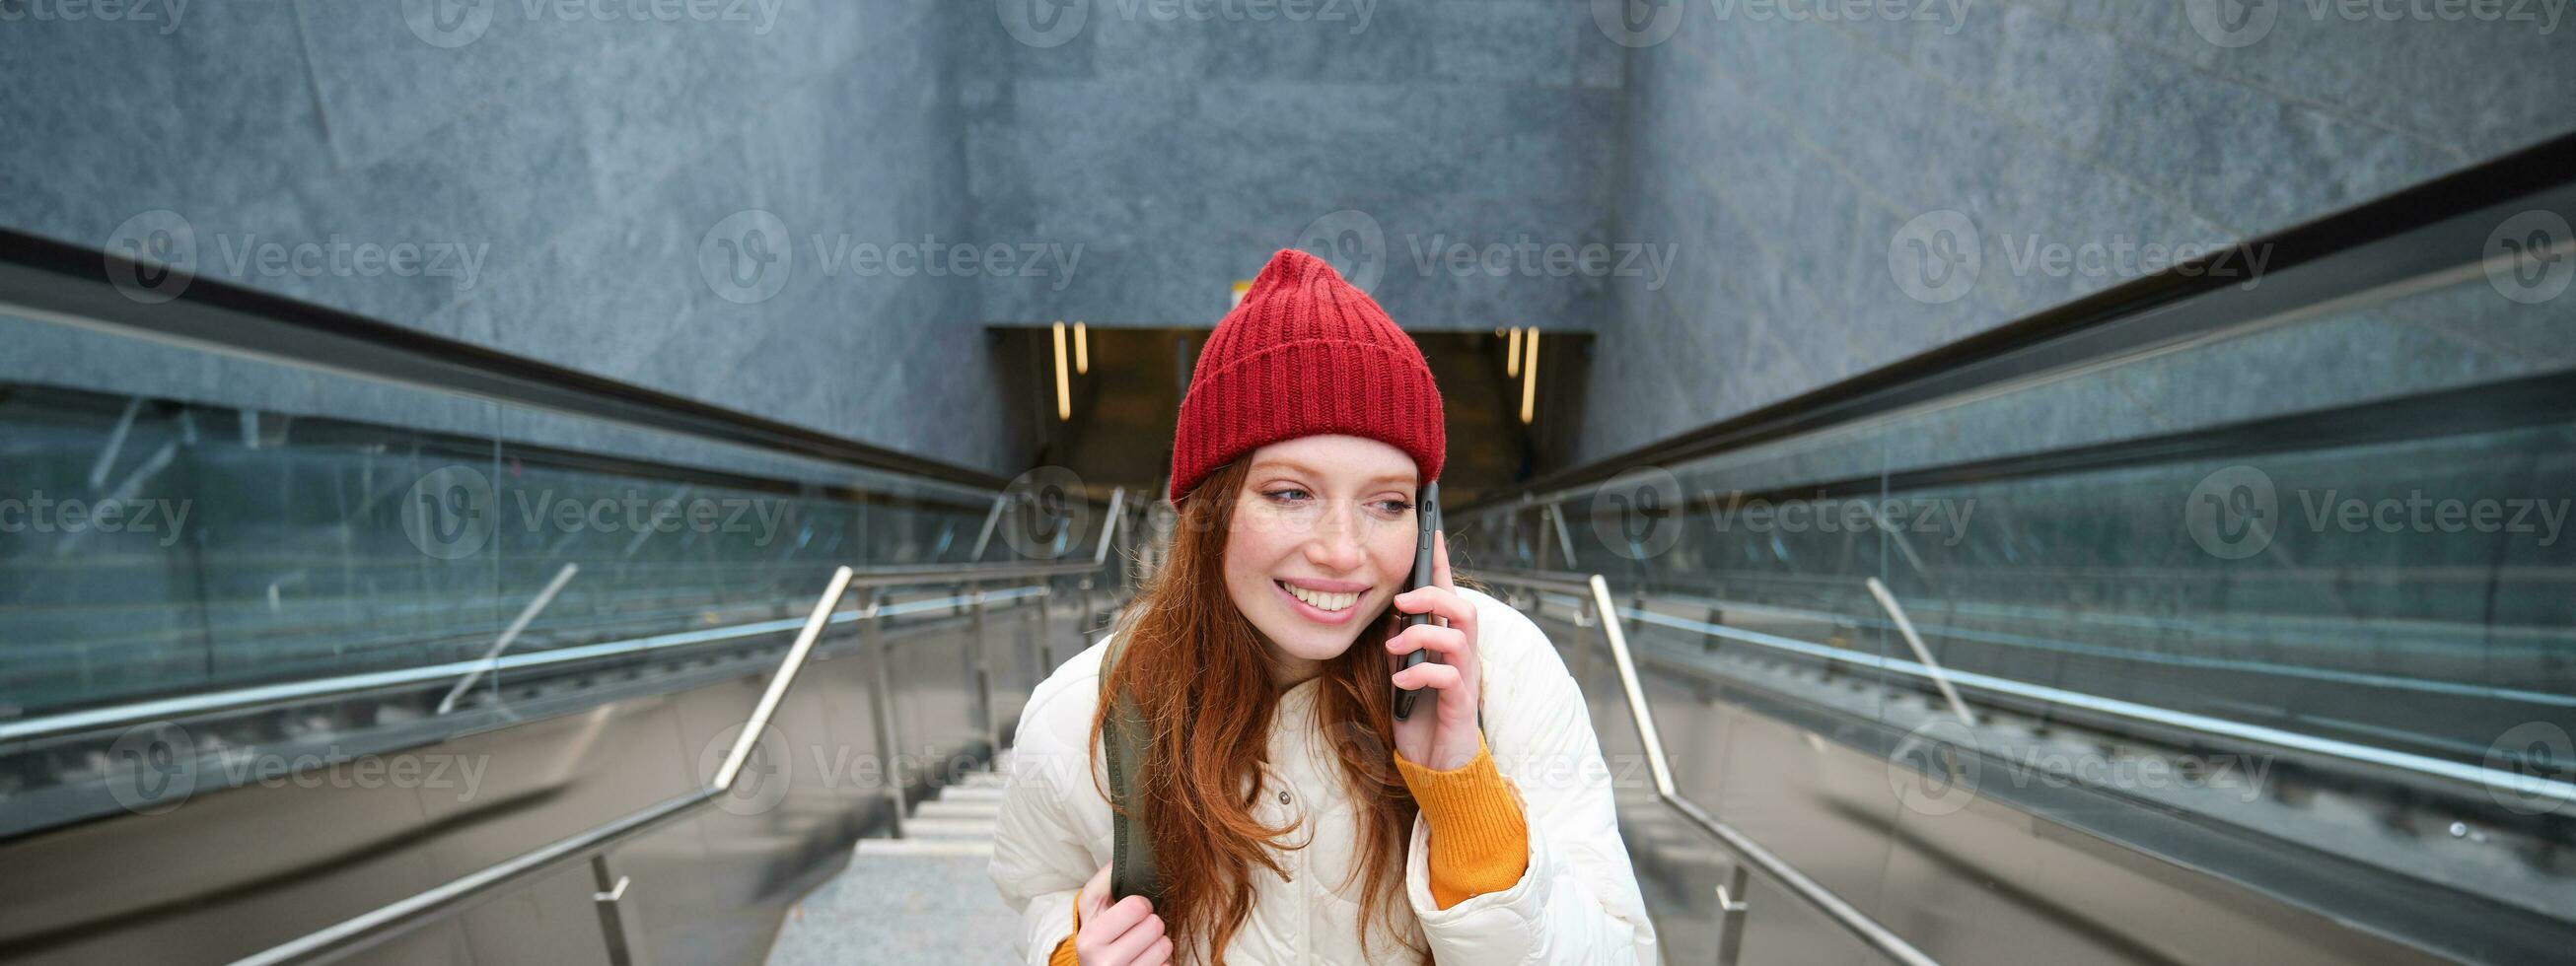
(1293, 820)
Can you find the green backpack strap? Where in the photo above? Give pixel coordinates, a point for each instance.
(1124, 742)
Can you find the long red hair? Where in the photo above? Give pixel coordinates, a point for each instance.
(1200, 675)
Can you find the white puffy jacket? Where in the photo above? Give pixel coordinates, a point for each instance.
(1577, 903)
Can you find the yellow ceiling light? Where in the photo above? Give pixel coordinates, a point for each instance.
(1063, 381)
(1081, 349)
(1512, 356)
(1529, 377)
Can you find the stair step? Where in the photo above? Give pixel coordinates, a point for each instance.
(938, 847)
(943, 808)
(948, 828)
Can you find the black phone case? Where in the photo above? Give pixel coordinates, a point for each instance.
(1427, 530)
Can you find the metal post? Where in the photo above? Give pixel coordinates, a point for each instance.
(872, 638)
(1046, 628)
(1731, 907)
(985, 717)
(623, 950)
(1905, 628)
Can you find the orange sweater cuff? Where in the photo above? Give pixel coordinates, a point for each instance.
(1064, 954)
(1479, 839)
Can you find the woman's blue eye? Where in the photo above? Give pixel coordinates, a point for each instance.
(1294, 494)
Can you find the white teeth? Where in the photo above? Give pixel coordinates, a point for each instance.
(1322, 600)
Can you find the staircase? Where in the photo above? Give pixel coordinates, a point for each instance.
(923, 898)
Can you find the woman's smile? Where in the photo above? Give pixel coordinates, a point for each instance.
(1324, 601)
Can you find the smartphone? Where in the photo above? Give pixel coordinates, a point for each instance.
(1427, 528)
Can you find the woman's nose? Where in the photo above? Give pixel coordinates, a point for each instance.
(1336, 543)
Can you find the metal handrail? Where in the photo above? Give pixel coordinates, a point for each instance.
(492, 658)
(1614, 632)
(384, 922)
(295, 691)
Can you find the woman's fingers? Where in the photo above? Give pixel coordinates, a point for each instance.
(1440, 561)
(1439, 602)
(1095, 894)
(1131, 946)
(1157, 955)
(1427, 675)
(1121, 916)
(1443, 641)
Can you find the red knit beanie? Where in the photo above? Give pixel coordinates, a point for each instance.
(1305, 354)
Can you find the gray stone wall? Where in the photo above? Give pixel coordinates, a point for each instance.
(1744, 201)
(576, 164)
(1820, 175)
(1181, 144)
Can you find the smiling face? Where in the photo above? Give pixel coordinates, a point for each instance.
(1322, 539)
